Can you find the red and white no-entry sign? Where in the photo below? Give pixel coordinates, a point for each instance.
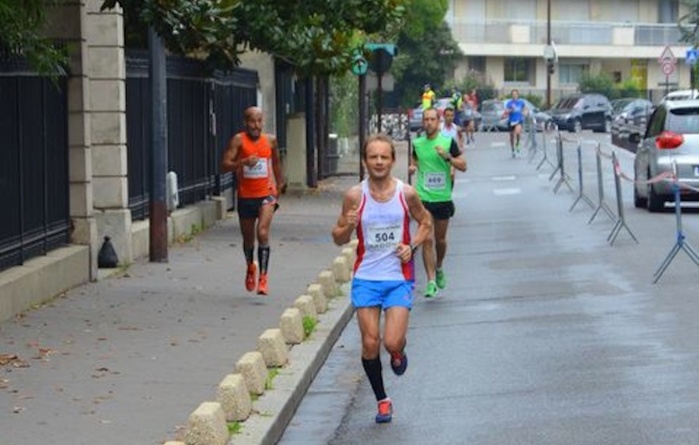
(667, 61)
(667, 68)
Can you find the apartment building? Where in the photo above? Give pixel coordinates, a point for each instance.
(506, 39)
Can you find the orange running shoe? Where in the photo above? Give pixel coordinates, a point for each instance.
(250, 276)
(262, 285)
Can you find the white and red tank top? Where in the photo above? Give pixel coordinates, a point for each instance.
(382, 226)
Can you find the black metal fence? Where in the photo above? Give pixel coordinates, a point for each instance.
(203, 111)
(34, 183)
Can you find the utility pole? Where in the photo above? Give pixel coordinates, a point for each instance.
(548, 42)
(158, 248)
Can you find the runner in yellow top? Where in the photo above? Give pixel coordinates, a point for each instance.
(428, 97)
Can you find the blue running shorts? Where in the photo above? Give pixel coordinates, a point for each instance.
(386, 294)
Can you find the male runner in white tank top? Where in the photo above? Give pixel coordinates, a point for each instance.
(379, 210)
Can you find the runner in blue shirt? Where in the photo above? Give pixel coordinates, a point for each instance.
(515, 109)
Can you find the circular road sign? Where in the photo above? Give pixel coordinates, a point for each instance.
(667, 67)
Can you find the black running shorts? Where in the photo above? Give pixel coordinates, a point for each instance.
(250, 207)
(440, 210)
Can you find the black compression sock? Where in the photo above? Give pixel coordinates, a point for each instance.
(372, 368)
(263, 257)
(248, 254)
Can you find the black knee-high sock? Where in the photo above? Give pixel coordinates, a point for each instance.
(248, 253)
(263, 257)
(372, 368)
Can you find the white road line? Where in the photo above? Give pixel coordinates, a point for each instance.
(504, 178)
(506, 192)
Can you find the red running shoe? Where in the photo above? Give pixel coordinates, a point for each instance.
(262, 285)
(250, 276)
(385, 413)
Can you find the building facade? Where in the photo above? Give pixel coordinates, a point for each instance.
(506, 39)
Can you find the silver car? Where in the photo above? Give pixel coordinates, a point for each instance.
(671, 137)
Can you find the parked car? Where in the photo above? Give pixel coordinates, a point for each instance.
(578, 112)
(415, 114)
(493, 109)
(629, 115)
(681, 95)
(671, 136)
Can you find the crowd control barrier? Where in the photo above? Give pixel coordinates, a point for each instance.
(601, 204)
(560, 166)
(680, 243)
(581, 195)
(619, 219)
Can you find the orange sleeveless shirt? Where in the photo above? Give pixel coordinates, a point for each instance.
(256, 181)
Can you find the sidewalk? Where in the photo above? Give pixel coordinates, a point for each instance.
(126, 360)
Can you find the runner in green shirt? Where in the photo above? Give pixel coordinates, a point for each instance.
(432, 158)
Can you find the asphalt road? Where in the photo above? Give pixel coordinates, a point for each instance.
(546, 333)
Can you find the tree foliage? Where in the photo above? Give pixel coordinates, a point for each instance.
(601, 83)
(429, 58)
(316, 36)
(20, 22)
(689, 23)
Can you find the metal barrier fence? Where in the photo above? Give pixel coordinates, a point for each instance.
(203, 112)
(565, 157)
(33, 164)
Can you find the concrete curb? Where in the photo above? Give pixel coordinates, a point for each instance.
(273, 411)
(297, 364)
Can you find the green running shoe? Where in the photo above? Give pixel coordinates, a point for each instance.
(431, 289)
(441, 279)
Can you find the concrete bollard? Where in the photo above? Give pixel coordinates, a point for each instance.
(307, 306)
(326, 279)
(341, 269)
(350, 254)
(207, 426)
(316, 291)
(234, 398)
(252, 367)
(273, 348)
(291, 325)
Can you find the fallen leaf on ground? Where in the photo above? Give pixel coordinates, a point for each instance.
(7, 358)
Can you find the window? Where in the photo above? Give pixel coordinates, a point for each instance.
(621, 11)
(477, 63)
(657, 123)
(684, 120)
(571, 73)
(519, 10)
(517, 69)
(668, 11)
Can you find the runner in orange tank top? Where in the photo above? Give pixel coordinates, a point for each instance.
(254, 158)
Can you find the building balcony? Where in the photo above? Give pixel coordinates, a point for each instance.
(504, 32)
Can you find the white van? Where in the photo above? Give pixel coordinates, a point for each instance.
(682, 95)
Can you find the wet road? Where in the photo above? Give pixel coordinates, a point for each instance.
(545, 334)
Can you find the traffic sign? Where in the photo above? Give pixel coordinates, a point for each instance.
(691, 56)
(359, 66)
(667, 68)
(667, 56)
(667, 61)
